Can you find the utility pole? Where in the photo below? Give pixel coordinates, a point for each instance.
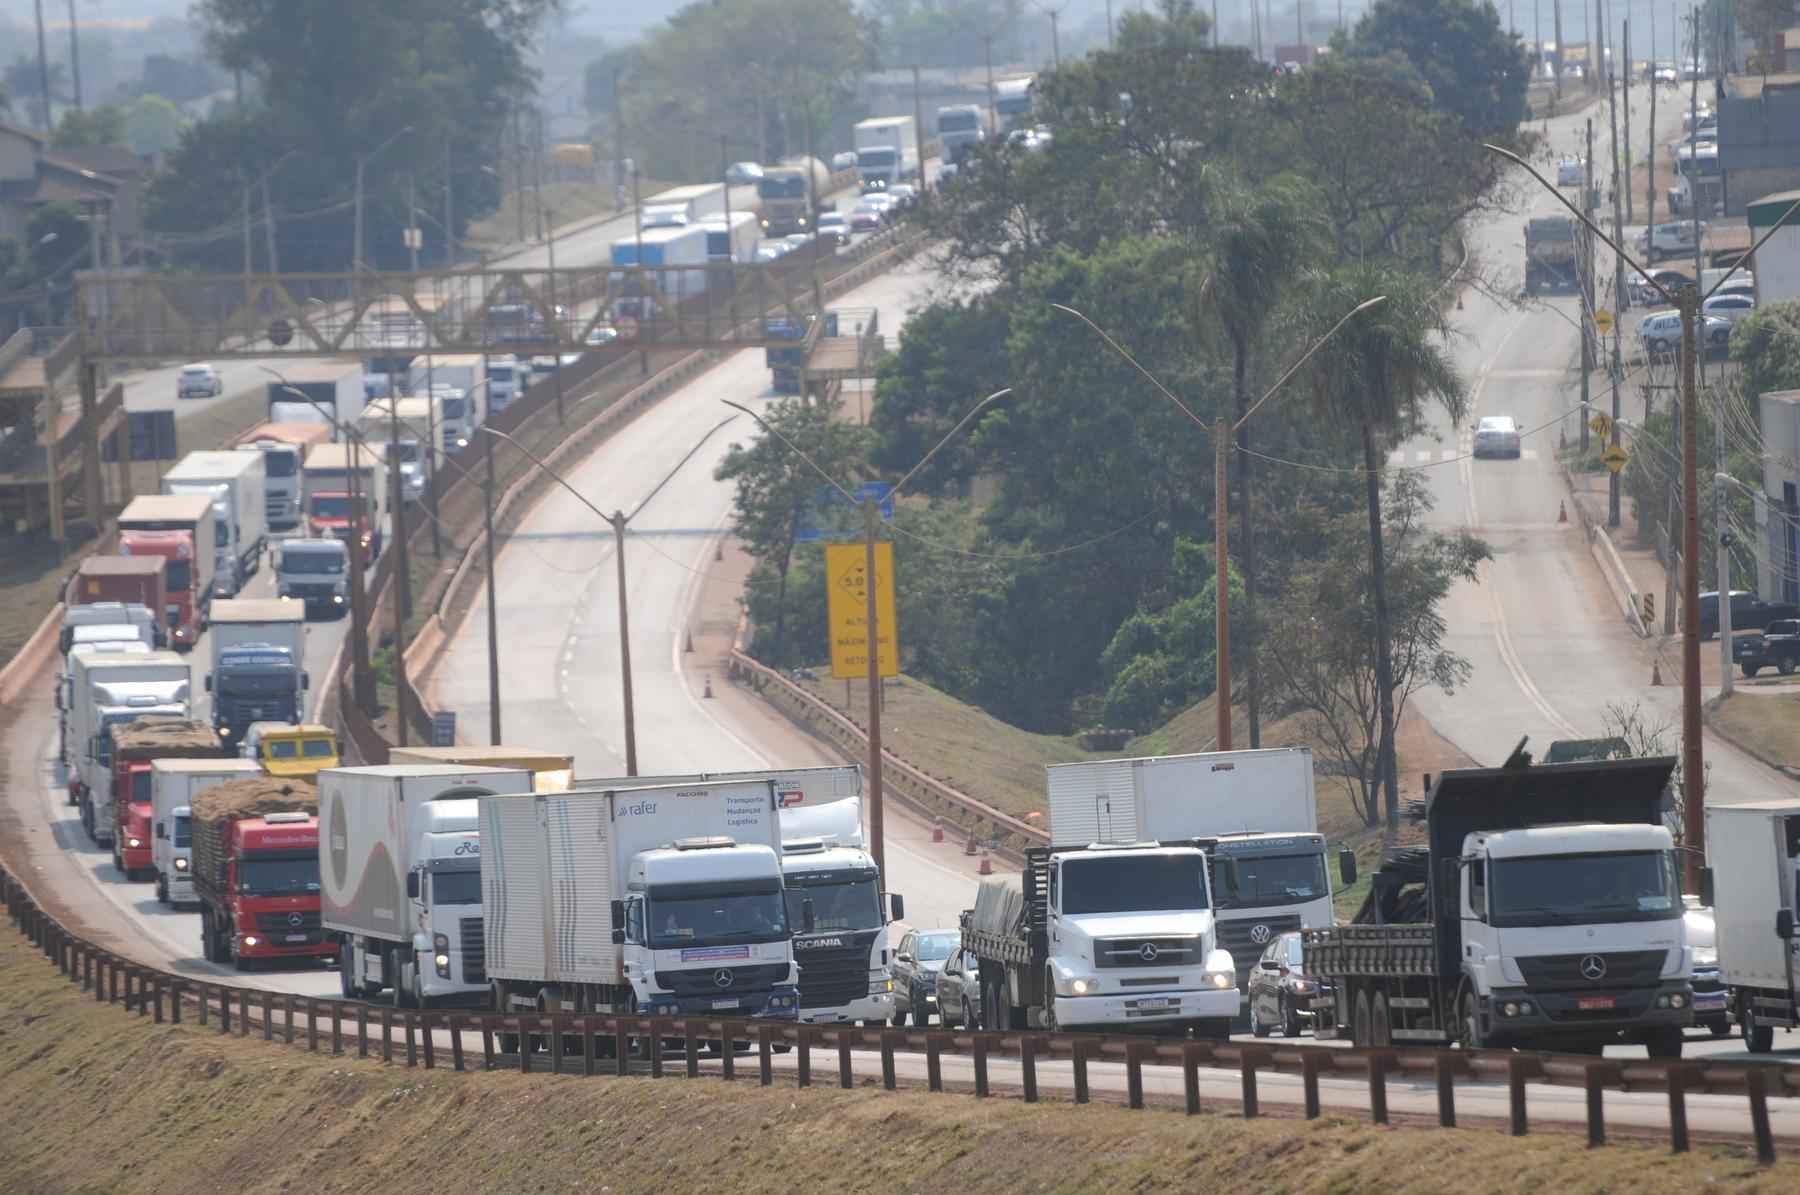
(269, 223)
(987, 45)
(402, 568)
(1650, 199)
(449, 210)
(244, 222)
(44, 68)
(493, 615)
(413, 234)
(1693, 765)
(1556, 62)
(1221, 587)
(75, 63)
(537, 171)
(872, 649)
(618, 520)
(557, 333)
(518, 170)
(362, 676)
(1587, 283)
(1613, 86)
(1625, 84)
(918, 130)
(1109, 24)
(1055, 41)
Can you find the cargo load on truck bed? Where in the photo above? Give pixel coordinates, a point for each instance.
(1551, 253)
(165, 738)
(214, 809)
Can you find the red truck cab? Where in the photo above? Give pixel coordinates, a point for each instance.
(177, 547)
(131, 817)
(328, 514)
(270, 906)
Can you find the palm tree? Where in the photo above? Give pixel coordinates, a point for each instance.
(1378, 374)
(1262, 241)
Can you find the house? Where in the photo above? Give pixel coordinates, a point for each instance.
(1759, 137)
(1778, 509)
(32, 174)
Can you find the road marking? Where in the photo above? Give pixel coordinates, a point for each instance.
(1397, 457)
(1422, 455)
(1529, 454)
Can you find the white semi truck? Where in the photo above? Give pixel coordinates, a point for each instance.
(328, 392)
(238, 485)
(1255, 813)
(844, 970)
(887, 151)
(106, 690)
(653, 901)
(400, 874)
(1752, 882)
(173, 783)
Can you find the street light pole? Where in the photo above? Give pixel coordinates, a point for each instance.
(493, 615)
(618, 519)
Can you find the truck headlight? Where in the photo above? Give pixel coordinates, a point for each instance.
(1218, 980)
(252, 940)
(134, 843)
(1084, 987)
(338, 598)
(224, 732)
(181, 865)
(440, 947)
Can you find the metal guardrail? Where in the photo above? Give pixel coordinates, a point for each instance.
(150, 992)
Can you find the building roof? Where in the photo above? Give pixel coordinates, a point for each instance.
(1750, 87)
(118, 161)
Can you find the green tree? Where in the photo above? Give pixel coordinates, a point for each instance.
(80, 129)
(1159, 661)
(1377, 375)
(777, 492)
(152, 125)
(1176, 25)
(180, 77)
(1324, 657)
(1473, 67)
(1767, 346)
(946, 33)
(951, 355)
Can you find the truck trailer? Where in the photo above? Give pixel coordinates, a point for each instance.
(258, 664)
(400, 857)
(256, 871)
(106, 690)
(1544, 912)
(283, 447)
(551, 771)
(237, 484)
(117, 589)
(173, 783)
(330, 393)
(1552, 254)
(1752, 882)
(178, 528)
(136, 746)
(652, 901)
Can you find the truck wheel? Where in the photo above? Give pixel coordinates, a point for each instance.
(1758, 1038)
(1257, 1028)
(1468, 1022)
(1751, 669)
(1719, 1027)
(162, 890)
(1785, 665)
(1361, 1025)
(1664, 1042)
(347, 982)
(1381, 1026)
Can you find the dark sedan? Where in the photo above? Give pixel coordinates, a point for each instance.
(917, 960)
(1281, 992)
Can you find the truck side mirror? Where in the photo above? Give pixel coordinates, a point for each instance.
(807, 921)
(412, 885)
(898, 905)
(1347, 866)
(1706, 887)
(618, 937)
(306, 680)
(617, 910)
(162, 830)
(209, 682)
(1784, 924)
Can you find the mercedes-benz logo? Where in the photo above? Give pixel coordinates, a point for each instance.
(1593, 968)
(1259, 934)
(1148, 952)
(296, 920)
(722, 977)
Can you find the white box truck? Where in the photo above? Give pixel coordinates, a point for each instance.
(459, 381)
(328, 392)
(1255, 813)
(105, 691)
(238, 484)
(653, 901)
(1752, 882)
(887, 151)
(65, 686)
(173, 783)
(400, 878)
(844, 971)
(258, 664)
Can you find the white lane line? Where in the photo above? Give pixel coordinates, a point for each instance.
(1397, 457)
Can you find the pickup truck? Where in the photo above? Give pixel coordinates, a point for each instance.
(1776, 646)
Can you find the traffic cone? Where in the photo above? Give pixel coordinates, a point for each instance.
(1562, 516)
(986, 866)
(969, 846)
(1655, 674)
(688, 646)
(708, 692)
(937, 829)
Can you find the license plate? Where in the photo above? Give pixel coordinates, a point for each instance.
(724, 1003)
(1585, 1002)
(1709, 1002)
(1153, 1002)
(296, 937)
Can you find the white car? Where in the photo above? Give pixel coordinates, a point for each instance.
(1569, 172)
(1672, 239)
(199, 380)
(1660, 332)
(1497, 435)
(1730, 308)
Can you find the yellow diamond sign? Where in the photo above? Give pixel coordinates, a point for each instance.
(847, 610)
(1615, 457)
(1603, 320)
(1602, 424)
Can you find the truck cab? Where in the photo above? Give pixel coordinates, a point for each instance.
(299, 751)
(329, 516)
(268, 906)
(131, 839)
(315, 572)
(843, 960)
(255, 682)
(159, 690)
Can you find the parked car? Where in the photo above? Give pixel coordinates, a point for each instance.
(1672, 239)
(1570, 171)
(836, 226)
(1776, 646)
(1748, 612)
(1730, 308)
(1497, 435)
(1660, 332)
(1280, 991)
(1712, 1003)
(739, 173)
(865, 217)
(917, 960)
(199, 380)
(959, 990)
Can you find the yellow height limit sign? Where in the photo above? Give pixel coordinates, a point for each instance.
(847, 610)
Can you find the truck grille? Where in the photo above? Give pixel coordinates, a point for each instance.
(1147, 952)
(832, 977)
(1247, 937)
(311, 592)
(474, 950)
(288, 923)
(703, 981)
(1631, 968)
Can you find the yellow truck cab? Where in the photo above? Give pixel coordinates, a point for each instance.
(551, 771)
(289, 750)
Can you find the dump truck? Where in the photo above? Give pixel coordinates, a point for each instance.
(136, 746)
(256, 871)
(1552, 254)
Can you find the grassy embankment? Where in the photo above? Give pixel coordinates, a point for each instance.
(233, 1114)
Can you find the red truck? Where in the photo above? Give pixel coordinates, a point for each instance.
(178, 528)
(256, 871)
(132, 580)
(135, 745)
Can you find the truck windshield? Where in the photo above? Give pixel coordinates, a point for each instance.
(782, 185)
(312, 562)
(704, 914)
(957, 122)
(877, 158)
(260, 677)
(184, 829)
(1582, 889)
(278, 463)
(456, 887)
(1134, 884)
(180, 574)
(1276, 880)
(453, 407)
(335, 506)
(140, 785)
(854, 905)
(278, 875)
